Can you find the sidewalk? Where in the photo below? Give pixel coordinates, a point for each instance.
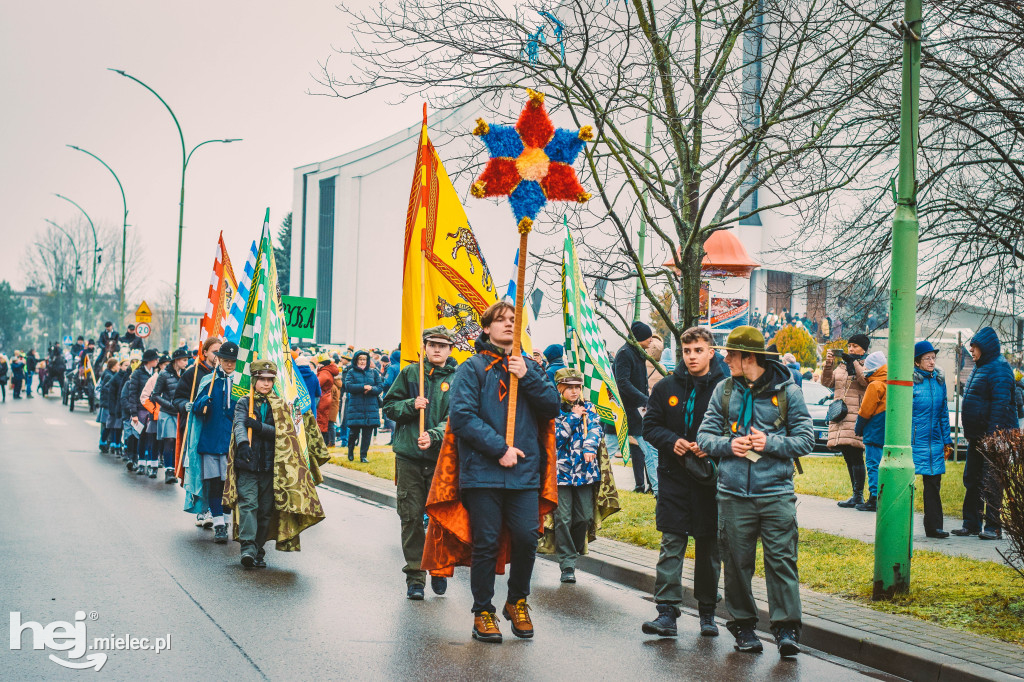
(894, 644)
(820, 513)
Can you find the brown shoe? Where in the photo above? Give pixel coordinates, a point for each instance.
(485, 628)
(519, 615)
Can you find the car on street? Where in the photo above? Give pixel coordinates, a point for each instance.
(818, 398)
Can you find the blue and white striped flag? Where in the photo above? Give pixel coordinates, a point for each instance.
(233, 325)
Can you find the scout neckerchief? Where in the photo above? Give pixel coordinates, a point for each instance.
(688, 415)
(502, 380)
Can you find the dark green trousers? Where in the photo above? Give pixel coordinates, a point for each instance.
(741, 521)
(255, 508)
(572, 519)
(413, 480)
(668, 579)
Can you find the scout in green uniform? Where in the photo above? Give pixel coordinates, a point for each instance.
(416, 452)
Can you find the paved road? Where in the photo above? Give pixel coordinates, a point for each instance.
(80, 534)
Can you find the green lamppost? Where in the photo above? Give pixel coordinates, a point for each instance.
(185, 157)
(95, 251)
(61, 281)
(894, 522)
(124, 228)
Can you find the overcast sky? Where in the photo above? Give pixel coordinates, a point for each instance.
(228, 69)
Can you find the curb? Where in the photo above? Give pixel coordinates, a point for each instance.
(887, 655)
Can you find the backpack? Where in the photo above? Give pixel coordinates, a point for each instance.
(780, 398)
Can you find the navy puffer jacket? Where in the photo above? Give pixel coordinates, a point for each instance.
(989, 397)
(362, 408)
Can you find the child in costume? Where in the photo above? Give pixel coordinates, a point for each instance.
(871, 423)
(578, 434)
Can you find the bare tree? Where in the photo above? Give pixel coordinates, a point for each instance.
(971, 166)
(744, 98)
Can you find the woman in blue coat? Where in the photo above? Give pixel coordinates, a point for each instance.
(363, 384)
(930, 437)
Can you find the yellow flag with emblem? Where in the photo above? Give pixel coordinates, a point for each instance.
(445, 278)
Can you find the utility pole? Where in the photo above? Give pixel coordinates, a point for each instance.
(643, 217)
(95, 258)
(894, 521)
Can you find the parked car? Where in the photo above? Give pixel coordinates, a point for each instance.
(818, 398)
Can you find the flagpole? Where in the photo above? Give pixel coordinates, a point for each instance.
(423, 275)
(513, 380)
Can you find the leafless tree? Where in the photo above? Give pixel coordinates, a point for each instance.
(743, 97)
(971, 166)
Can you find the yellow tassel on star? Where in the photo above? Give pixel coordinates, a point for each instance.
(478, 189)
(537, 97)
(587, 133)
(481, 127)
(584, 196)
(525, 225)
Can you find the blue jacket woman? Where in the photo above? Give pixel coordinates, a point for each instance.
(362, 408)
(930, 432)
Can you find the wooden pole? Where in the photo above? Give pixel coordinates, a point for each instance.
(252, 381)
(191, 396)
(513, 380)
(423, 324)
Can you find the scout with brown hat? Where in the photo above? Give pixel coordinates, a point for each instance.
(756, 427)
(415, 450)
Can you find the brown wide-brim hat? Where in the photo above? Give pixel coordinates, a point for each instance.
(746, 339)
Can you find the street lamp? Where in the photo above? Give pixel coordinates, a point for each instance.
(124, 226)
(185, 157)
(95, 248)
(61, 282)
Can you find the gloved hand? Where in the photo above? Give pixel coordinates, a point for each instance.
(243, 451)
(251, 423)
(188, 406)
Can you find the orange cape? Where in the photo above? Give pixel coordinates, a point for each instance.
(449, 540)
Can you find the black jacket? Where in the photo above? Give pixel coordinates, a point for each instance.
(111, 394)
(136, 383)
(684, 507)
(163, 391)
(124, 399)
(630, 370)
(478, 414)
(106, 337)
(260, 457)
(183, 391)
(988, 404)
(132, 341)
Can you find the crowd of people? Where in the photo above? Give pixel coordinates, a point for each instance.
(717, 442)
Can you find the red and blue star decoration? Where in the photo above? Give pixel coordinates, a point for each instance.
(532, 162)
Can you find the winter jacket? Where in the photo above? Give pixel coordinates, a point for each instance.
(30, 362)
(3, 372)
(163, 392)
(183, 393)
(18, 370)
(135, 385)
(325, 381)
(132, 341)
(851, 391)
(124, 400)
(362, 408)
(684, 507)
(871, 416)
(110, 397)
(215, 410)
(794, 367)
(576, 437)
(399, 406)
(394, 367)
(479, 413)
(630, 371)
(554, 366)
(312, 385)
(260, 457)
(930, 422)
(772, 474)
(101, 384)
(988, 404)
(106, 337)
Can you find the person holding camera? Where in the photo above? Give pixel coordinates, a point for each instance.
(844, 373)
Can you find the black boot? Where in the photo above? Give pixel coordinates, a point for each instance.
(869, 506)
(857, 490)
(665, 624)
(708, 627)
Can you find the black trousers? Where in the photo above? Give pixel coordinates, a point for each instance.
(932, 503)
(489, 509)
(361, 435)
(984, 496)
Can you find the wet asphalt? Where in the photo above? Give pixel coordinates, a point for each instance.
(78, 533)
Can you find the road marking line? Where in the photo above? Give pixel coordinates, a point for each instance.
(54, 422)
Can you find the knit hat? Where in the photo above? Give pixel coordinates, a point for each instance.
(922, 347)
(861, 340)
(873, 362)
(640, 331)
(553, 352)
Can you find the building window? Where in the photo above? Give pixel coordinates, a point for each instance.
(325, 261)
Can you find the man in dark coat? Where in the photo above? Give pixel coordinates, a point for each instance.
(630, 371)
(500, 484)
(132, 340)
(988, 407)
(685, 508)
(416, 452)
(108, 334)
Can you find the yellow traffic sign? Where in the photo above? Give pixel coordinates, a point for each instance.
(143, 314)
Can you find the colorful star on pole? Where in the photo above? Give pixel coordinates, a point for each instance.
(532, 162)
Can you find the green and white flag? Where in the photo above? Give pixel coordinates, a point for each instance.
(264, 337)
(585, 348)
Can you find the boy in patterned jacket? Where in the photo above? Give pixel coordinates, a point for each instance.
(578, 433)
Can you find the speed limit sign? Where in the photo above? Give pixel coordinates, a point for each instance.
(142, 330)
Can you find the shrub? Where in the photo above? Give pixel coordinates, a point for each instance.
(797, 341)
